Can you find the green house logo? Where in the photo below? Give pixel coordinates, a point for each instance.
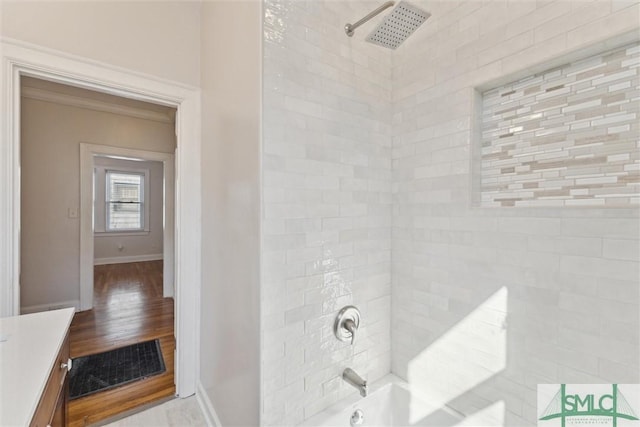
(583, 407)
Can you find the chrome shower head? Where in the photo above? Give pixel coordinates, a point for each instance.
(398, 25)
(395, 28)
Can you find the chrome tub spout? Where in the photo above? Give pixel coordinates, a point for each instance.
(351, 377)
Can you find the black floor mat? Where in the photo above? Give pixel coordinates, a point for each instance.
(99, 372)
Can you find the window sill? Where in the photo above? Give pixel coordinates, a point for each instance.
(119, 233)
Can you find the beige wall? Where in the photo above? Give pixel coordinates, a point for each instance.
(106, 246)
(230, 323)
(158, 38)
(50, 162)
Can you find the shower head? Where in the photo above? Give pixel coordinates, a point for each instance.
(403, 20)
(395, 28)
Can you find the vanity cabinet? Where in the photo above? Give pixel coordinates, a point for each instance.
(34, 360)
(52, 408)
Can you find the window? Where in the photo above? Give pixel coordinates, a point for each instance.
(121, 197)
(125, 201)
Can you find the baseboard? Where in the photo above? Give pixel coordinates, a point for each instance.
(52, 306)
(125, 259)
(206, 406)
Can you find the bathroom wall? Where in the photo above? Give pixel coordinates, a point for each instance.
(326, 218)
(159, 38)
(489, 302)
(229, 377)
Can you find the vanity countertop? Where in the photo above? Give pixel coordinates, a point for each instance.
(29, 345)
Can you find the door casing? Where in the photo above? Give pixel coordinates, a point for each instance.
(23, 59)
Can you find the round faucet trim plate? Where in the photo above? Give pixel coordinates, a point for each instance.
(340, 330)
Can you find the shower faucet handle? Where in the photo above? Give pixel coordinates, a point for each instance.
(350, 326)
(347, 323)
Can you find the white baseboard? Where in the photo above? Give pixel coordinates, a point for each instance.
(125, 259)
(52, 306)
(206, 406)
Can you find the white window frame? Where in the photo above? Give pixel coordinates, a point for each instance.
(102, 224)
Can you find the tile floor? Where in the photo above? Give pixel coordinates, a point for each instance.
(175, 413)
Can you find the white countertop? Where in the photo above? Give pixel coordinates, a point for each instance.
(29, 345)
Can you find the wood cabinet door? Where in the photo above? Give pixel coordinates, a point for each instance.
(59, 418)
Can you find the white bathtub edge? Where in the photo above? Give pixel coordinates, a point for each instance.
(385, 382)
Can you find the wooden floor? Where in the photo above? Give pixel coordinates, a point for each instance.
(128, 308)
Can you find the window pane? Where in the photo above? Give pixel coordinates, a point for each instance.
(125, 216)
(125, 187)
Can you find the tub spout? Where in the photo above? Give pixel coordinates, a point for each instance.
(351, 377)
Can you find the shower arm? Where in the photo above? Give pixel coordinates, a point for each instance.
(350, 28)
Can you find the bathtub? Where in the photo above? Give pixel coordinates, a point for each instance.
(390, 403)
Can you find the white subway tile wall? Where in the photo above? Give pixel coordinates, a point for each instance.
(569, 136)
(368, 152)
(489, 302)
(326, 230)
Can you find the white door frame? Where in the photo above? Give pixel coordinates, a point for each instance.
(87, 154)
(18, 59)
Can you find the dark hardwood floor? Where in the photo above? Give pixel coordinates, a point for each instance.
(128, 308)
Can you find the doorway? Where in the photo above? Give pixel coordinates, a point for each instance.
(100, 243)
(66, 220)
(130, 220)
(22, 60)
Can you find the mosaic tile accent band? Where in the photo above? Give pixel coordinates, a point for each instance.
(568, 136)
